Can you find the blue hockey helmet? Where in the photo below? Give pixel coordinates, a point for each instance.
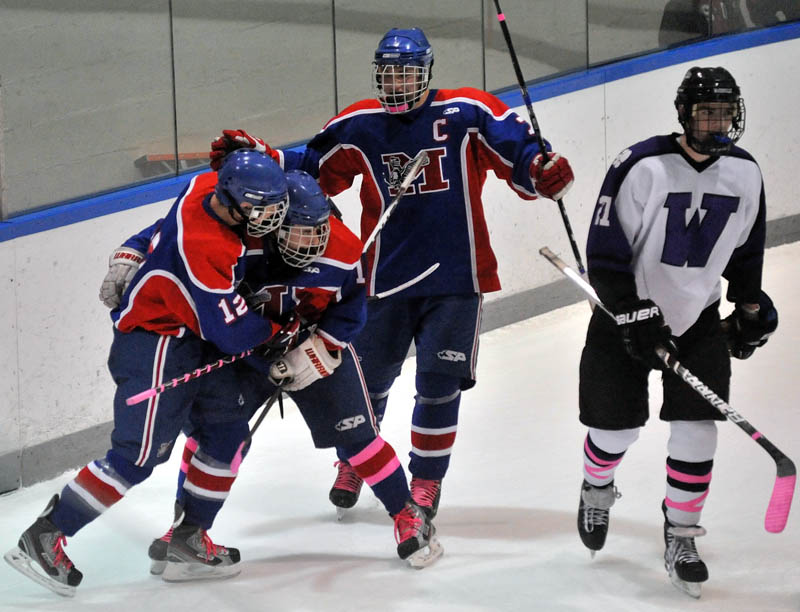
(306, 228)
(402, 69)
(710, 109)
(250, 177)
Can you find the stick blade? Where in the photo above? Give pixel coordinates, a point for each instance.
(782, 493)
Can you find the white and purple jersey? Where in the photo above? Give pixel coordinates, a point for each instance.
(465, 132)
(677, 225)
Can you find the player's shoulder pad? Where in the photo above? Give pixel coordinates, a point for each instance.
(369, 105)
(476, 97)
(343, 245)
(656, 145)
(741, 154)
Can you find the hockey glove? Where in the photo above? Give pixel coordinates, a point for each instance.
(123, 264)
(749, 329)
(553, 179)
(643, 329)
(305, 364)
(282, 341)
(230, 141)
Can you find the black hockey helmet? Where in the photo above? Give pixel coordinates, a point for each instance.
(711, 133)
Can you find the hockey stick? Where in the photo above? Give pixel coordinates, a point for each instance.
(406, 284)
(237, 458)
(782, 492)
(144, 395)
(535, 124)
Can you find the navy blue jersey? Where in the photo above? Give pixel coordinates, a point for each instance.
(676, 225)
(466, 133)
(329, 292)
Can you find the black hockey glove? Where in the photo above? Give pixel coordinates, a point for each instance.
(643, 329)
(747, 330)
(281, 341)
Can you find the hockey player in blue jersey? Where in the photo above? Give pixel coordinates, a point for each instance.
(310, 267)
(674, 214)
(180, 312)
(465, 133)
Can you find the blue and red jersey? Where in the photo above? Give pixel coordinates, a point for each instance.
(188, 280)
(330, 292)
(465, 132)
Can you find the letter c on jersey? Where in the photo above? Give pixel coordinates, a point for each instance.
(438, 136)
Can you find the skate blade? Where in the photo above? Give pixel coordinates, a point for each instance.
(21, 562)
(592, 553)
(426, 556)
(692, 589)
(157, 567)
(340, 513)
(186, 572)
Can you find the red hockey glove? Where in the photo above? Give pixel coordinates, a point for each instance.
(230, 141)
(554, 179)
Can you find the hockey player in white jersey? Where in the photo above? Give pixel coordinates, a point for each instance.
(675, 213)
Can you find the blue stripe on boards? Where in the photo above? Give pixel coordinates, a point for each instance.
(90, 208)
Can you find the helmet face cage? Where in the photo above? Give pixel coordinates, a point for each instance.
(266, 218)
(250, 177)
(398, 87)
(401, 70)
(305, 231)
(711, 110)
(300, 245)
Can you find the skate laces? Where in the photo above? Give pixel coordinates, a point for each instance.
(594, 517)
(682, 543)
(424, 492)
(406, 524)
(61, 557)
(347, 479)
(597, 501)
(211, 548)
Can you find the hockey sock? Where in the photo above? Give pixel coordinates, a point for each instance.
(691, 448)
(603, 451)
(434, 424)
(377, 464)
(208, 475)
(96, 488)
(189, 450)
(687, 489)
(205, 489)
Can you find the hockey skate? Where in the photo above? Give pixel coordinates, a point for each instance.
(346, 488)
(593, 514)
(39, 555)
(416, 536)
(191, 555)
(426, 494)
(158, 547)
(683, 563)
